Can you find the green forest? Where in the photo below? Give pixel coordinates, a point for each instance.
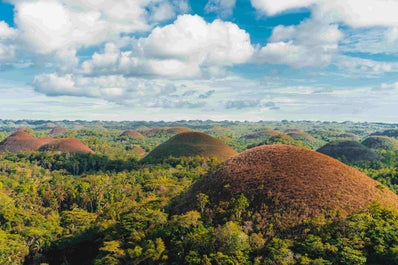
(119, 205)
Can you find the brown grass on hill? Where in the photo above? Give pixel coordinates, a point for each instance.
(57, 131)
(261, 134)
(138, 150)
(133, 134)
(288, 184)
(192, 144)
(20, 141)
(69, 145)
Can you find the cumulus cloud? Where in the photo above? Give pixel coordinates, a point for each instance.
(61, 27)
(274, 7)
(224, 8)
(311, 43)
(128, 91)
(354, 13)
(7, 42)
(185, 49)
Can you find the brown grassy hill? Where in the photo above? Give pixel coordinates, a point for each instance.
(133, 134)
(261, 134)
(138, 150)
(349, 151)
(191, 144)
(20, 141)
(68, 145)
(58, 131)
(381, 142)
(287, 184)
(305, 137)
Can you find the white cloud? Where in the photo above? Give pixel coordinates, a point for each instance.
(223, 7)
(359, 13)
(7, 42)
(271, 7)
(61, 27)
(364, 67)
(311, 43)
(190, 47)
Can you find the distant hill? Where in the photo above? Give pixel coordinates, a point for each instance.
(189, 144)
(133, 134)
(389, 133)
(261, 134)
(305, 137)
(381, 142)
(166, 131)
(20, 141)
(68, 145)
(286, 185)
(349, 151)
(58, 131)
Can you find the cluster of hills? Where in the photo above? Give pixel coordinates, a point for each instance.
(200, 194)
(21, 141)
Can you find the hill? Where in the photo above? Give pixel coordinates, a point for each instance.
(305, 137)
(166, 131)
(133, 134)
(349, 151)
(261, 134)
(191, 144)
(68, 145)
(287, 184)
(21, 141)
(381, 142)
(389, 133)
(58, 131)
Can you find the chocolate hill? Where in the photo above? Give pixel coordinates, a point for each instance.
(20, 141)
(58, 131)
(69, 145)
(261, 134)
(132, 134)
(166, 131)
(191, 144)
(381, 142)
(305, 137)
(286, 185)
(349, 151)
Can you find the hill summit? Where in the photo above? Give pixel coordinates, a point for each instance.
(21, 141)
(350, 151)
(287, 184)
(69, 145)
(191, 144)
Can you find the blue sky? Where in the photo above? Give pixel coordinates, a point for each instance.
(210, 59)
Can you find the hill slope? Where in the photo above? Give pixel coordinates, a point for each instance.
(20, 141)
(288, 184)
(381, 142)
(133, 134)
(68, 145)
(348, 151)
(191, 144)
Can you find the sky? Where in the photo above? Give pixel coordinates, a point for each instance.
(199, 59)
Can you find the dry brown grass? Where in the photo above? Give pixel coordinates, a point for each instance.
(20, 141)
(58, 131)
(288, 184)
(68, 145)
(192, 144)
(133, 134)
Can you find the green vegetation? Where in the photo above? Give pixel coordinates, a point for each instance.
(108, 207)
